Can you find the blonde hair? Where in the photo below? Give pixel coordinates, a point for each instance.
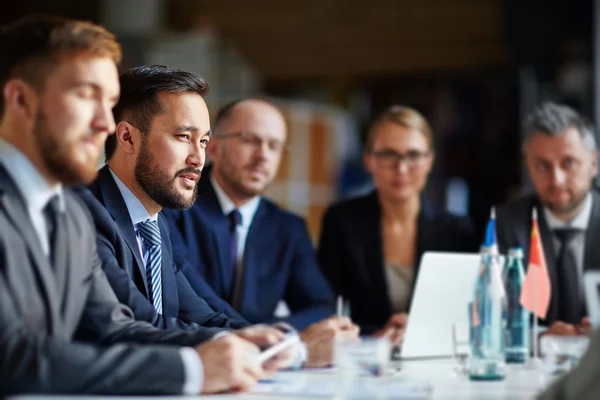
(405, 117)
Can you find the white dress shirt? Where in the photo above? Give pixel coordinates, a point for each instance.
(34, 189)
(577, 244)
(194, 370)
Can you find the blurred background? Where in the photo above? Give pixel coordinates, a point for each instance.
(474, 68)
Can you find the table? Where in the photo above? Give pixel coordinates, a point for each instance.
(521, 383)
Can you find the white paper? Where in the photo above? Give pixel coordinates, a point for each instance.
(360, 388)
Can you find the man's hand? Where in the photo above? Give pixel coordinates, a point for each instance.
(394, 329)
(560, 328)
(261, 335)
(585, 326)
(230, 364)
(320, 339)
(266, 336)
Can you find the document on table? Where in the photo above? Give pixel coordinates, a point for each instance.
(288, 384)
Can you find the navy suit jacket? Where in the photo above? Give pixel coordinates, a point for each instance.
(351, 253)
(279, 259)
(513, 226)
(119, 252)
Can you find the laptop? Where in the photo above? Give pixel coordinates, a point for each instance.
(443, 289)
(591, 281)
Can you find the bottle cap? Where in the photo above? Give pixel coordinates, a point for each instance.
(491, 249)
(515, 252)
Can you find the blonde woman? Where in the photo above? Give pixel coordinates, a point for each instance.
(370, 246)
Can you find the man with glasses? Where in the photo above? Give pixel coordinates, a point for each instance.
(251, 252)
(561, 157)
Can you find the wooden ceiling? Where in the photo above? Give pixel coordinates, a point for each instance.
(300, 39)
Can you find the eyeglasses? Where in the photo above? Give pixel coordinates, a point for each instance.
(255, 141)
(392, 159)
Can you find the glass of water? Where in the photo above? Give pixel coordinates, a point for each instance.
(461, 349)
(561, 353)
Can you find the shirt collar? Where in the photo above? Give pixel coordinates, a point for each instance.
(31, 184)
(581, 221)
(247, 210)
(137, 211)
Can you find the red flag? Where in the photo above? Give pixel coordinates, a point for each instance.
(536, 292)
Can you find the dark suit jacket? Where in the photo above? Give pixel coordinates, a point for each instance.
(351, 253)
(513, 227)
(58, 325)
(279, 259)
(119, 252)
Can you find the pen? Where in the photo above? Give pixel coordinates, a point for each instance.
(343, 307)
(340, 306)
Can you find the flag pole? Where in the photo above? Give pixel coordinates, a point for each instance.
(536, 350)
(535, 318)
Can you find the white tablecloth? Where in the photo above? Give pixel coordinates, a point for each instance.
(439, 375)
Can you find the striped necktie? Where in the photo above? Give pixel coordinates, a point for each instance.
(150, 234)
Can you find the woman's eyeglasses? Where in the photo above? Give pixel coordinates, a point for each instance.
(392, 159)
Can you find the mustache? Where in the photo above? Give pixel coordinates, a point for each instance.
(189, 170)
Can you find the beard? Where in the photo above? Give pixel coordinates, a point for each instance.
(572, 205)
(158, 184)
(233, 177)
(62, 159)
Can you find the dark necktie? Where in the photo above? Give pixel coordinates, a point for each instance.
(235, 219)
(55, 226)
(150, 233)
(569, 296)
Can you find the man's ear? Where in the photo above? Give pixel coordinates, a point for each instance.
(128, 137)
(21, 98)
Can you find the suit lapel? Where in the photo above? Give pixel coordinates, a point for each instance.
(13, 204)
(253, 250)
(550, 255)
(547, 239)
(591, 257)
(167, 272)
(373, 270)
(114, 203)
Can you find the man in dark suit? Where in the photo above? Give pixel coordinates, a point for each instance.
(62, 329)
(560, 153)
(154, 160)
(251, 252)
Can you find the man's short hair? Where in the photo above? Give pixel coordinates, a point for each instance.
(32, 46)
(554, 119)
(139, 101)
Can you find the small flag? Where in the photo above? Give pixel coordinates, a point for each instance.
(490, 230)
(536, 292)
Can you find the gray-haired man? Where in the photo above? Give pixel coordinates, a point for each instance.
(560, 153)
